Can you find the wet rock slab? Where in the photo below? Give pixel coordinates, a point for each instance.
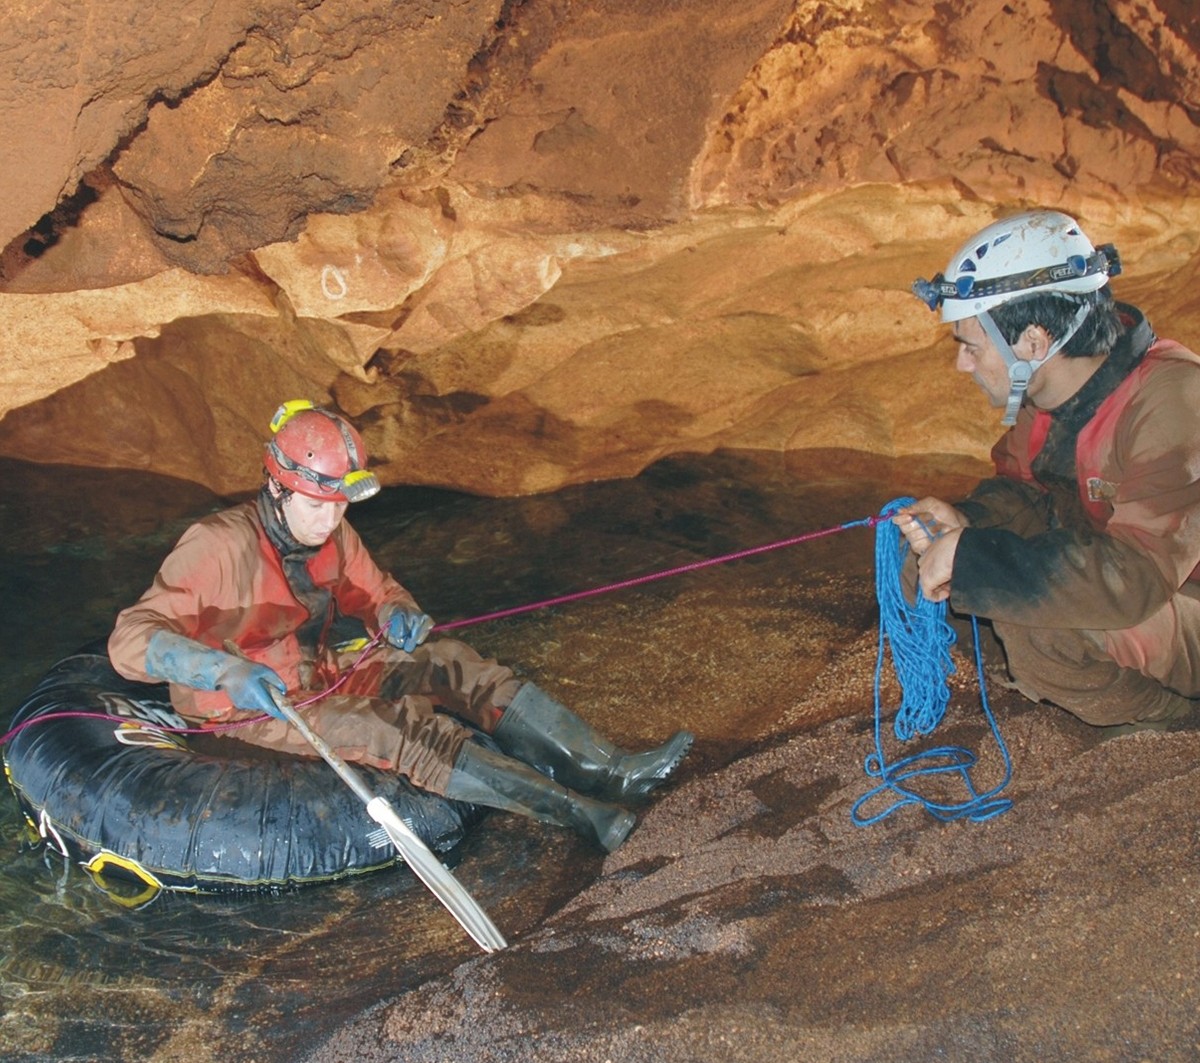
(748, 918)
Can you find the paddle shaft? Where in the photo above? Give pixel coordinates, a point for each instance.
(424, 864)
(349, 776)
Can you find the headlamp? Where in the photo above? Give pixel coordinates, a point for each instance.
(356, 486)
(933, 293)
(359, 485)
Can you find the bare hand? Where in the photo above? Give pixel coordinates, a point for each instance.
(925, 520)
(936, 564)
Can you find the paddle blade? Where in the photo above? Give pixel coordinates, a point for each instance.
(443, 885)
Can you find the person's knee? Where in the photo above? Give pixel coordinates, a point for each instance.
(1043, 661)
(1071, 669)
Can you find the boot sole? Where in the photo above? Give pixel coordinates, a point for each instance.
(643, 788)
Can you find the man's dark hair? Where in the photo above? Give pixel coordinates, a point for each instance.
(1055, 312)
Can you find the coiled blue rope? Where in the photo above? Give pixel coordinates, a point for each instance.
(920, 640)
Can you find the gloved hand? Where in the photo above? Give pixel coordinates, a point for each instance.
(404, 628)
(178, 659)
(246, 683)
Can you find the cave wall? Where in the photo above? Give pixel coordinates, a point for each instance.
(531, 244)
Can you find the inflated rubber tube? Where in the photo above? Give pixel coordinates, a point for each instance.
(129, 799)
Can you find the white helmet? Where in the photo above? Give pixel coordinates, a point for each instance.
(1040, 249)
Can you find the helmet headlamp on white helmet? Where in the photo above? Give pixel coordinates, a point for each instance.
(1027, 254)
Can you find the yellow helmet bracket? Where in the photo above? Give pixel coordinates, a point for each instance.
(289, 410)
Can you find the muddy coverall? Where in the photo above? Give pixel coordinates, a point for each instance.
(225, 580)
(1083, 550)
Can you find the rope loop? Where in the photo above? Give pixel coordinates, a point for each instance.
(920, 641)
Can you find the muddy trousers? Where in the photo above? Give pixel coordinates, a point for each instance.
(1147, 674)
(402, 712)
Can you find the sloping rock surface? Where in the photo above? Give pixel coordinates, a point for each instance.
(750, 919)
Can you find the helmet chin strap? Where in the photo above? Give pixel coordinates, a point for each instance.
(1020, 371)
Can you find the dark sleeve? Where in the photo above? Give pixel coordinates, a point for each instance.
(1001, 502)
(1058, 579)
(1116, 577)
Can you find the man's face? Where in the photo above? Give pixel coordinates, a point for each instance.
(978, 356)
(311, 520)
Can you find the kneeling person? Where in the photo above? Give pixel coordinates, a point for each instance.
(1083, 551)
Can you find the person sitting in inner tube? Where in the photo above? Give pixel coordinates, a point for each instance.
(246, 600)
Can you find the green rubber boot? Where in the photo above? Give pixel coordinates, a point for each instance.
(540, 731)
(485, 777)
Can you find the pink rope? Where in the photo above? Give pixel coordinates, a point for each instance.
(637, 581)
(562, 599)
(81, 715)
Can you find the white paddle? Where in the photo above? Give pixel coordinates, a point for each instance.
(425, 865)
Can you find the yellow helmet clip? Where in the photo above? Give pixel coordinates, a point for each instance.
(289, 410)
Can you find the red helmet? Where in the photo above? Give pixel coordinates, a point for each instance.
(319, 454)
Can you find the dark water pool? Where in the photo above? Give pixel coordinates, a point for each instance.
(268, 978)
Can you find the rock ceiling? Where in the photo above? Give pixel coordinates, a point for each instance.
(533, 243)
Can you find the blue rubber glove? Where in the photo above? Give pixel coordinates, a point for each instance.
(178, 659)
(404, 628)
(246, 683)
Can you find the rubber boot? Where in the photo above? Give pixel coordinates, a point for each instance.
(538, 730)
(485, 777)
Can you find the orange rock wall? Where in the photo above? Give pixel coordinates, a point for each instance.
(530, 244)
